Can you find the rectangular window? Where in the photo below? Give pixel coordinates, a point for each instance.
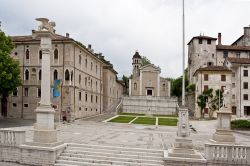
(86, 97)
(86, 80)
(205, 87)
(233, 110)
(96, 99)
(233, 96)
(80, 96)
(247, 110)
(200, 41)
(209, 41)
(14, 93)
(91, 98)
(205, 77)
(225, 54)
(38, 92)
(164, 87)
(96, 69)
(245, 96)
(245, 85)
(223, 77)
(233, 74)
(86, 109)
(245, 73)
(26, 105)
(14, 105)
(80, 108)
(26, 91)
(233, 85)
(238, 54)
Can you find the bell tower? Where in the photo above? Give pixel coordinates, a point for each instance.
(136, 64)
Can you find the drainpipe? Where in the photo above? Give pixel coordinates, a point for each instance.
(22, 84)
(74, 83)
(240, 90)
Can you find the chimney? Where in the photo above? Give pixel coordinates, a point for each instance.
(89, 46)
(219, 38)
(67, 35)
(247, 31)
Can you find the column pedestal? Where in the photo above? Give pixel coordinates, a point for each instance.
(223, 132)
(183, 152)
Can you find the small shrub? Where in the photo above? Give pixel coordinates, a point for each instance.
(240, 124)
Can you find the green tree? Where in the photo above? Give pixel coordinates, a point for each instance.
(203, 99)
(125, 79)
(216, 102)
(176, 85)
(145, 61)
(9, 71)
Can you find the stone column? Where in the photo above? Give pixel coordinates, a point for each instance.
(44, 129)
(140, 83)
(183, 146)
(158, 84)
(130, 87)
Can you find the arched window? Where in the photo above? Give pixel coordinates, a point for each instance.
(71, 76)
(27, 53)
(40, 75)
(40, 56)
(135, 86)
(27, 73)
(67, 75)
(56, 54)
(55, 75)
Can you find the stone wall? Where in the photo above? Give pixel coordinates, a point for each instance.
(149, 104)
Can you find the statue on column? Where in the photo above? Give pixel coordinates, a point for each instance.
(46, 25)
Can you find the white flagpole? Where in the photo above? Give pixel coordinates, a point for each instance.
(183, 52)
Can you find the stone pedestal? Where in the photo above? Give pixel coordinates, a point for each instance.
(223, 132)
(183, 152)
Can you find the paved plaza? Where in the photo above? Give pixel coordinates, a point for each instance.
(94, 131)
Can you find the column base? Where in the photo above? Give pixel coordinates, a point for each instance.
(45, 136)
(223, 136)
(183, 151)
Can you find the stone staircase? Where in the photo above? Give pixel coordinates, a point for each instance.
(98, 155)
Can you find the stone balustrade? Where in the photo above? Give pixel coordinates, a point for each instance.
(11, 137)
(227, 153)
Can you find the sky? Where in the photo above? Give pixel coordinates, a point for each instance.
(118, 28)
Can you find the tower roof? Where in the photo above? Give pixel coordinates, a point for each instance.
(137, 55)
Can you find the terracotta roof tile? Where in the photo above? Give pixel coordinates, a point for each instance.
(233, 47)
(213, 68)
(201, 37)
(239, 60)
(29, 38)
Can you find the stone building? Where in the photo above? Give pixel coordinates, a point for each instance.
(81, 73)
(212, 77)
(204, 52)
(112, 89)
(146, 80)
(240, 85)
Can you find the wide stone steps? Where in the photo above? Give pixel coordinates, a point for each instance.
(96, 155)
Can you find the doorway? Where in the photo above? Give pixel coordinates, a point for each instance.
(149, 92)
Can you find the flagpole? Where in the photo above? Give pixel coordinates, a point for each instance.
(183, 53)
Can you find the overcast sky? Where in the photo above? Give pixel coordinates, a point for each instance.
(118, 28)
